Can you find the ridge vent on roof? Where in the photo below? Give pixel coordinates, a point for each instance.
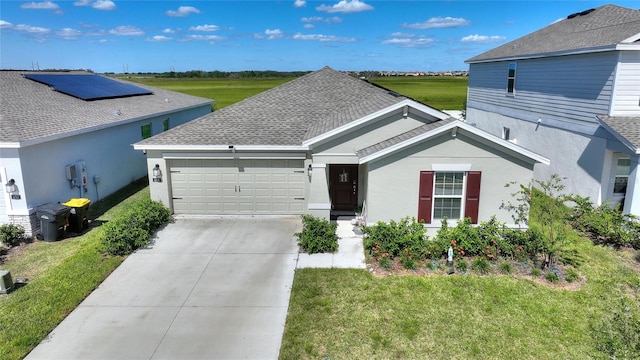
(582, 13)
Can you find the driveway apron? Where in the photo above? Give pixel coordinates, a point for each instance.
(207, 288)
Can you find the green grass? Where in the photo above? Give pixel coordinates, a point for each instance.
(349, 314)
(224, 91)
(440, 92)
(61, 274)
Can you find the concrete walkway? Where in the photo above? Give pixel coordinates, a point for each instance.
(208, 288)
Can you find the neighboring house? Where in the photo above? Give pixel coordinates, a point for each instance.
(327, 143)
(74, 139)
(571, 92)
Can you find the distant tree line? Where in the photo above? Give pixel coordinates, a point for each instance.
(247, 74)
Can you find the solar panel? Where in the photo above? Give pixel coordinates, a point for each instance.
(88, 86)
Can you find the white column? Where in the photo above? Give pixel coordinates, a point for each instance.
(319, 202)
(632, 197)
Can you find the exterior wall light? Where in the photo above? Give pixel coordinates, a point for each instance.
(12, 189)
(309, 170)
(157, 174)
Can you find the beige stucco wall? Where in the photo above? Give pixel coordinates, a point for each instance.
(393, 181)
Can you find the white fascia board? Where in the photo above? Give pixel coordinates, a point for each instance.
(359, 122)
(235, 155)
(138, 146)
(626, 47)
(619, 137)
(631, 39)
(10, 145)
(450, 126)
(545, 55)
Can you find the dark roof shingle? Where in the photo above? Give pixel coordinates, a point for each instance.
(605, 26)
(31, 111)
(285, 115)
(626, 126)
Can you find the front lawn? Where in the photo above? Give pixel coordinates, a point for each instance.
(61, 274)
(350, 314)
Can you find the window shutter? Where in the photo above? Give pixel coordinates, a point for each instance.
(472, 202)
(425, 196)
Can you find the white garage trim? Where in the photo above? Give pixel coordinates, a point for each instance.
(238, 186)
(234, 155)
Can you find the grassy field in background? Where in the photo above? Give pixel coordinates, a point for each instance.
(440, 92)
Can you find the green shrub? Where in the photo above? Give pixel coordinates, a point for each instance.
(385, 263)
(605, 224)
(551, 276)
(462, 266)
(317, 235)
(571, 275)
(11, 234)
(535, 272)
(481, 265)
(132, 230)
(505, 267)
(394, 238)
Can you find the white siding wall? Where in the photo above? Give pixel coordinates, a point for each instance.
(573, 89)
(393, 181)
(626, 99)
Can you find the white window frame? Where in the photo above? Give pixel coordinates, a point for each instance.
(511, 79)
(616, 176)
(461, 196)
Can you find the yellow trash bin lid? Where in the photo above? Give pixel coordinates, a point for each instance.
(77, 202)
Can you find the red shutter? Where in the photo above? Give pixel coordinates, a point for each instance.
(425, 196)
(472, 203)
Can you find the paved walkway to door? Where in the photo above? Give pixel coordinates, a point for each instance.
(209, 288)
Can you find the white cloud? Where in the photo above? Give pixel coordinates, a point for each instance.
(322, 38)
(170, 31)
(45, 5)
(211, 38)
(82, 3)
(274, 34)
(438, 22)
(345, 7)
(69, 33)
(483, 39)
(126, 30)
(317, 19)
(159, 38)
(104, 5)
(308, 26)
(299, 3)
(205, 28)
(32, 29)
(408, 40)
(183, 11)
(5, 24)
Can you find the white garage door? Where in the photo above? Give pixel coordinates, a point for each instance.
(211, 187)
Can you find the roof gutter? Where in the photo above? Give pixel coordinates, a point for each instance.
(220, 147)
(556, 53)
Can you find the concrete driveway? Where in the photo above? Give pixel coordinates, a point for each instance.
(208, 288)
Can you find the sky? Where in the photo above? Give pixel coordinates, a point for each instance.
(286, 35)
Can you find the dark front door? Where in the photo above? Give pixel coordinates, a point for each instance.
(343, 187)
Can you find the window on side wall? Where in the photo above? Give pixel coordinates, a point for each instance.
(165, 124)
(511, 78)
(622, 176)
(146, 130)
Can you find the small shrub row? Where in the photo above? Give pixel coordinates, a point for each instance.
(605, 224)
(317, 235)
(405, 237)
(11, 234)
(133, 229)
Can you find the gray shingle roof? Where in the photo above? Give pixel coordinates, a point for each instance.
(625, 126)
(402, 137)
(31, 111)
(285, 115)
(606, 26)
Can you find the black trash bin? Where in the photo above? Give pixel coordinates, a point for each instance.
(78, 214)
(53, 218)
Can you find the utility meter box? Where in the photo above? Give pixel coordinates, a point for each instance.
(6, 283)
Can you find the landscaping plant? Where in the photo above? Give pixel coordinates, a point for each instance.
(317, 235)
(11, 234)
